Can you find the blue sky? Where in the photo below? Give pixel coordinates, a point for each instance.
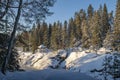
(65, 9)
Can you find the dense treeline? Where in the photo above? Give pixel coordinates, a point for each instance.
(88, 29)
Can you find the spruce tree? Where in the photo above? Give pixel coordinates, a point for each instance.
(108, 41)
(105, 22)
(71, 32)
(38, 33)
(24, 39)
(77, 27)
(60, 36)
(45, 33)
(41, 35)
(49, 36)
(96, 31)
(54, 36)
(82, 14)
(64, 35)
(100, 11)
(90, 11)
(33, 39)
(85, 34)
(111, 20)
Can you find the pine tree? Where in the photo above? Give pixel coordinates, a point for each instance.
(116, 43)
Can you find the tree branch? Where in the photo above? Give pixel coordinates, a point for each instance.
(6, 10)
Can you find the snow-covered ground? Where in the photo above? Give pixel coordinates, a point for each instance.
(78, 62)
(48, 74)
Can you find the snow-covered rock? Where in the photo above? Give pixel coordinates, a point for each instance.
(42, 60)
(41, 47)
(62, 53)
(103, 51)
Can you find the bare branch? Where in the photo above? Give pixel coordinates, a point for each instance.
(6, 10)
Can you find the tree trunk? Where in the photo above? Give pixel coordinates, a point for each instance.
(11, 42)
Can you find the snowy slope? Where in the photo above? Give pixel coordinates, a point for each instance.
(84, 62)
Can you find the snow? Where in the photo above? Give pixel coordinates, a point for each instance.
(103, 51)
(75, 59)
(1, 76)
(41, 47)
(87, 65)
(47, 74)
(62, 53)
(37, 60)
